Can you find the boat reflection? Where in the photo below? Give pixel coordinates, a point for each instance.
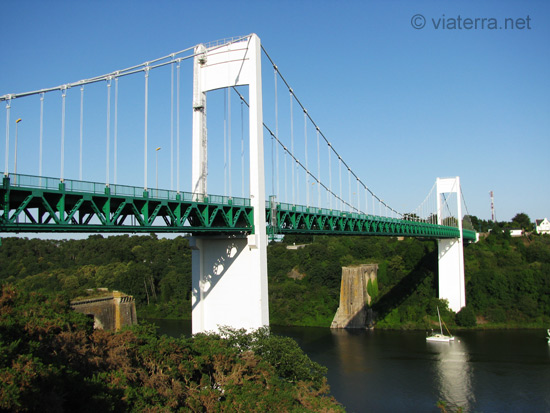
(453, 374)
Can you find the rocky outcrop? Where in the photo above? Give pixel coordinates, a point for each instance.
(354, 311)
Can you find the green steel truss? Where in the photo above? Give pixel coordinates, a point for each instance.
(302, 220)
(39, 204)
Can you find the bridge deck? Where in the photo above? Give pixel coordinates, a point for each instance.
(40, 204)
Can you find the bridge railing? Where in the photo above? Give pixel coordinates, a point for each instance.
(70, 185)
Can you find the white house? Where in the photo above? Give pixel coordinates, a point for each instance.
(516, 232)
(542, 226)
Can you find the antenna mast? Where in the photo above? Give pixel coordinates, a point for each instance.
(492, 206)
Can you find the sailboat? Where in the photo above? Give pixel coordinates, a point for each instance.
(440, 336)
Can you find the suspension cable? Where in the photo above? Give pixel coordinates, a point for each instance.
(293, 157)
(324, 137)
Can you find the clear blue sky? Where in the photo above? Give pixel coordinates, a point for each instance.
(402, 105)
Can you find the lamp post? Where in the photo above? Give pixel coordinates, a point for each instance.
(15, 166)
(157, 168)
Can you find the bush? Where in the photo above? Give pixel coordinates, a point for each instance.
(51, 360)
(466, 317)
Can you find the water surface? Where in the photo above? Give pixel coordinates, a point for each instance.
(394, 371)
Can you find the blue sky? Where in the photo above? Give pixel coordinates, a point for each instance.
(401, 105)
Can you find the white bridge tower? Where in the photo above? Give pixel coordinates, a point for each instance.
(451, 251)
(229, 282)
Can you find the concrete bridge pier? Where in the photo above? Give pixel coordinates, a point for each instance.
(229, 283)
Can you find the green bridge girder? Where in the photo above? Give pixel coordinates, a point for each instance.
(40, 204)
(303, 220)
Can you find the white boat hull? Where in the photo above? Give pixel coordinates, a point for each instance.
(440, 338)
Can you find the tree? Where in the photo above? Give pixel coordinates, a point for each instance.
(522, 221)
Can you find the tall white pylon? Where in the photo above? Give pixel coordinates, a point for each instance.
(451, 251)
(230, 273)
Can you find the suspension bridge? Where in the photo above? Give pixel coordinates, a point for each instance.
(229, 233)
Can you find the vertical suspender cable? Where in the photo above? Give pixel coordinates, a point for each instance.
(349, 190)
(145, 127)
(115, 181)
(63, 94)
(108, 146)
(318, 172)
(225, 142)
(276, 129)
(307, 167)
(172, 125)
(329, 195)
(286, 177)
(272, 165)
(366, 200)
(178, 127)
(292, 148)
(358, 196)
(242, 149)
(229, 140)
(81, 131)
(340, 179)
(7, 158)
(41, 133)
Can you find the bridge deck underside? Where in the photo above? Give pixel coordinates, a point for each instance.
(35, 209)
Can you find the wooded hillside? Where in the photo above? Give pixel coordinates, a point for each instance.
(507, 279)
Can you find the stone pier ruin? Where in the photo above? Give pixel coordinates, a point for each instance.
(355, 299)
(111, 311)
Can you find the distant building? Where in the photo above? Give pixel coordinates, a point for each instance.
(542, 226)
(515, 232)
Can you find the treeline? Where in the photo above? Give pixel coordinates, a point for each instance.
(507, 279)
(53, 360)
(157, 272)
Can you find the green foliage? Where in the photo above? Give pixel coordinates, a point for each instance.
(51, 360)
(508, 279)
(466, 317)
(372, 288)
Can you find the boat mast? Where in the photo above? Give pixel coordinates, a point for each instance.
(439, 316)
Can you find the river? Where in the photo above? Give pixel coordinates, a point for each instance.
(396, 371)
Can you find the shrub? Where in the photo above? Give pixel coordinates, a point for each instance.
(466, 317)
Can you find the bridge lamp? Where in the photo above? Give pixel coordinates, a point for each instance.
(157, 167)
(15, 166)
